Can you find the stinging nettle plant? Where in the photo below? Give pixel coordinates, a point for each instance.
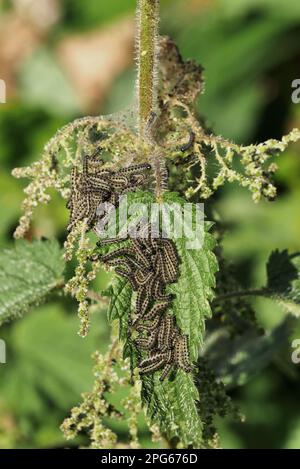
(190, 328)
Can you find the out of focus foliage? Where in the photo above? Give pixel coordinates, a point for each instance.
(250, 51)
(28, 274)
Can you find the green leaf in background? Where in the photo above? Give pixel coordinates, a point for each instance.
(278, 9)
(10, 199)
(24, 129)
(94, 13)
(280, 271)
(234, 104)
(43, 83)
(294, 436)
(258, 225)
(237, 360)
(48, 364)
(28, 273)
(284, 280)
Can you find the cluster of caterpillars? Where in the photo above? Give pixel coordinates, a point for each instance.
(94, 185)
(150, 263)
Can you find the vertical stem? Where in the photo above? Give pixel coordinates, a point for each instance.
(147, 50)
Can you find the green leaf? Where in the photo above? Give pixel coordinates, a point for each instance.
(213, 402)
(283, 280)
(94, 13)
(280, 271)
(173, 406)
(43, 83)
(236, 360)
(28, 273)
(49, 365)
(119, 306)
(173, 403)
(194, 290)
(10, 200)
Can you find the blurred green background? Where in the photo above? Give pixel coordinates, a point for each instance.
(64, 59)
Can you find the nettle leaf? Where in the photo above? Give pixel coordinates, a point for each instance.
(194, 290)
(280, 271)
(119, 306)
(284, 281)
(235, 360)
(173, 406)
(28, 273)
(173, 403)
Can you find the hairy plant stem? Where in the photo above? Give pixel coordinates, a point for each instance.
(147, 58)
